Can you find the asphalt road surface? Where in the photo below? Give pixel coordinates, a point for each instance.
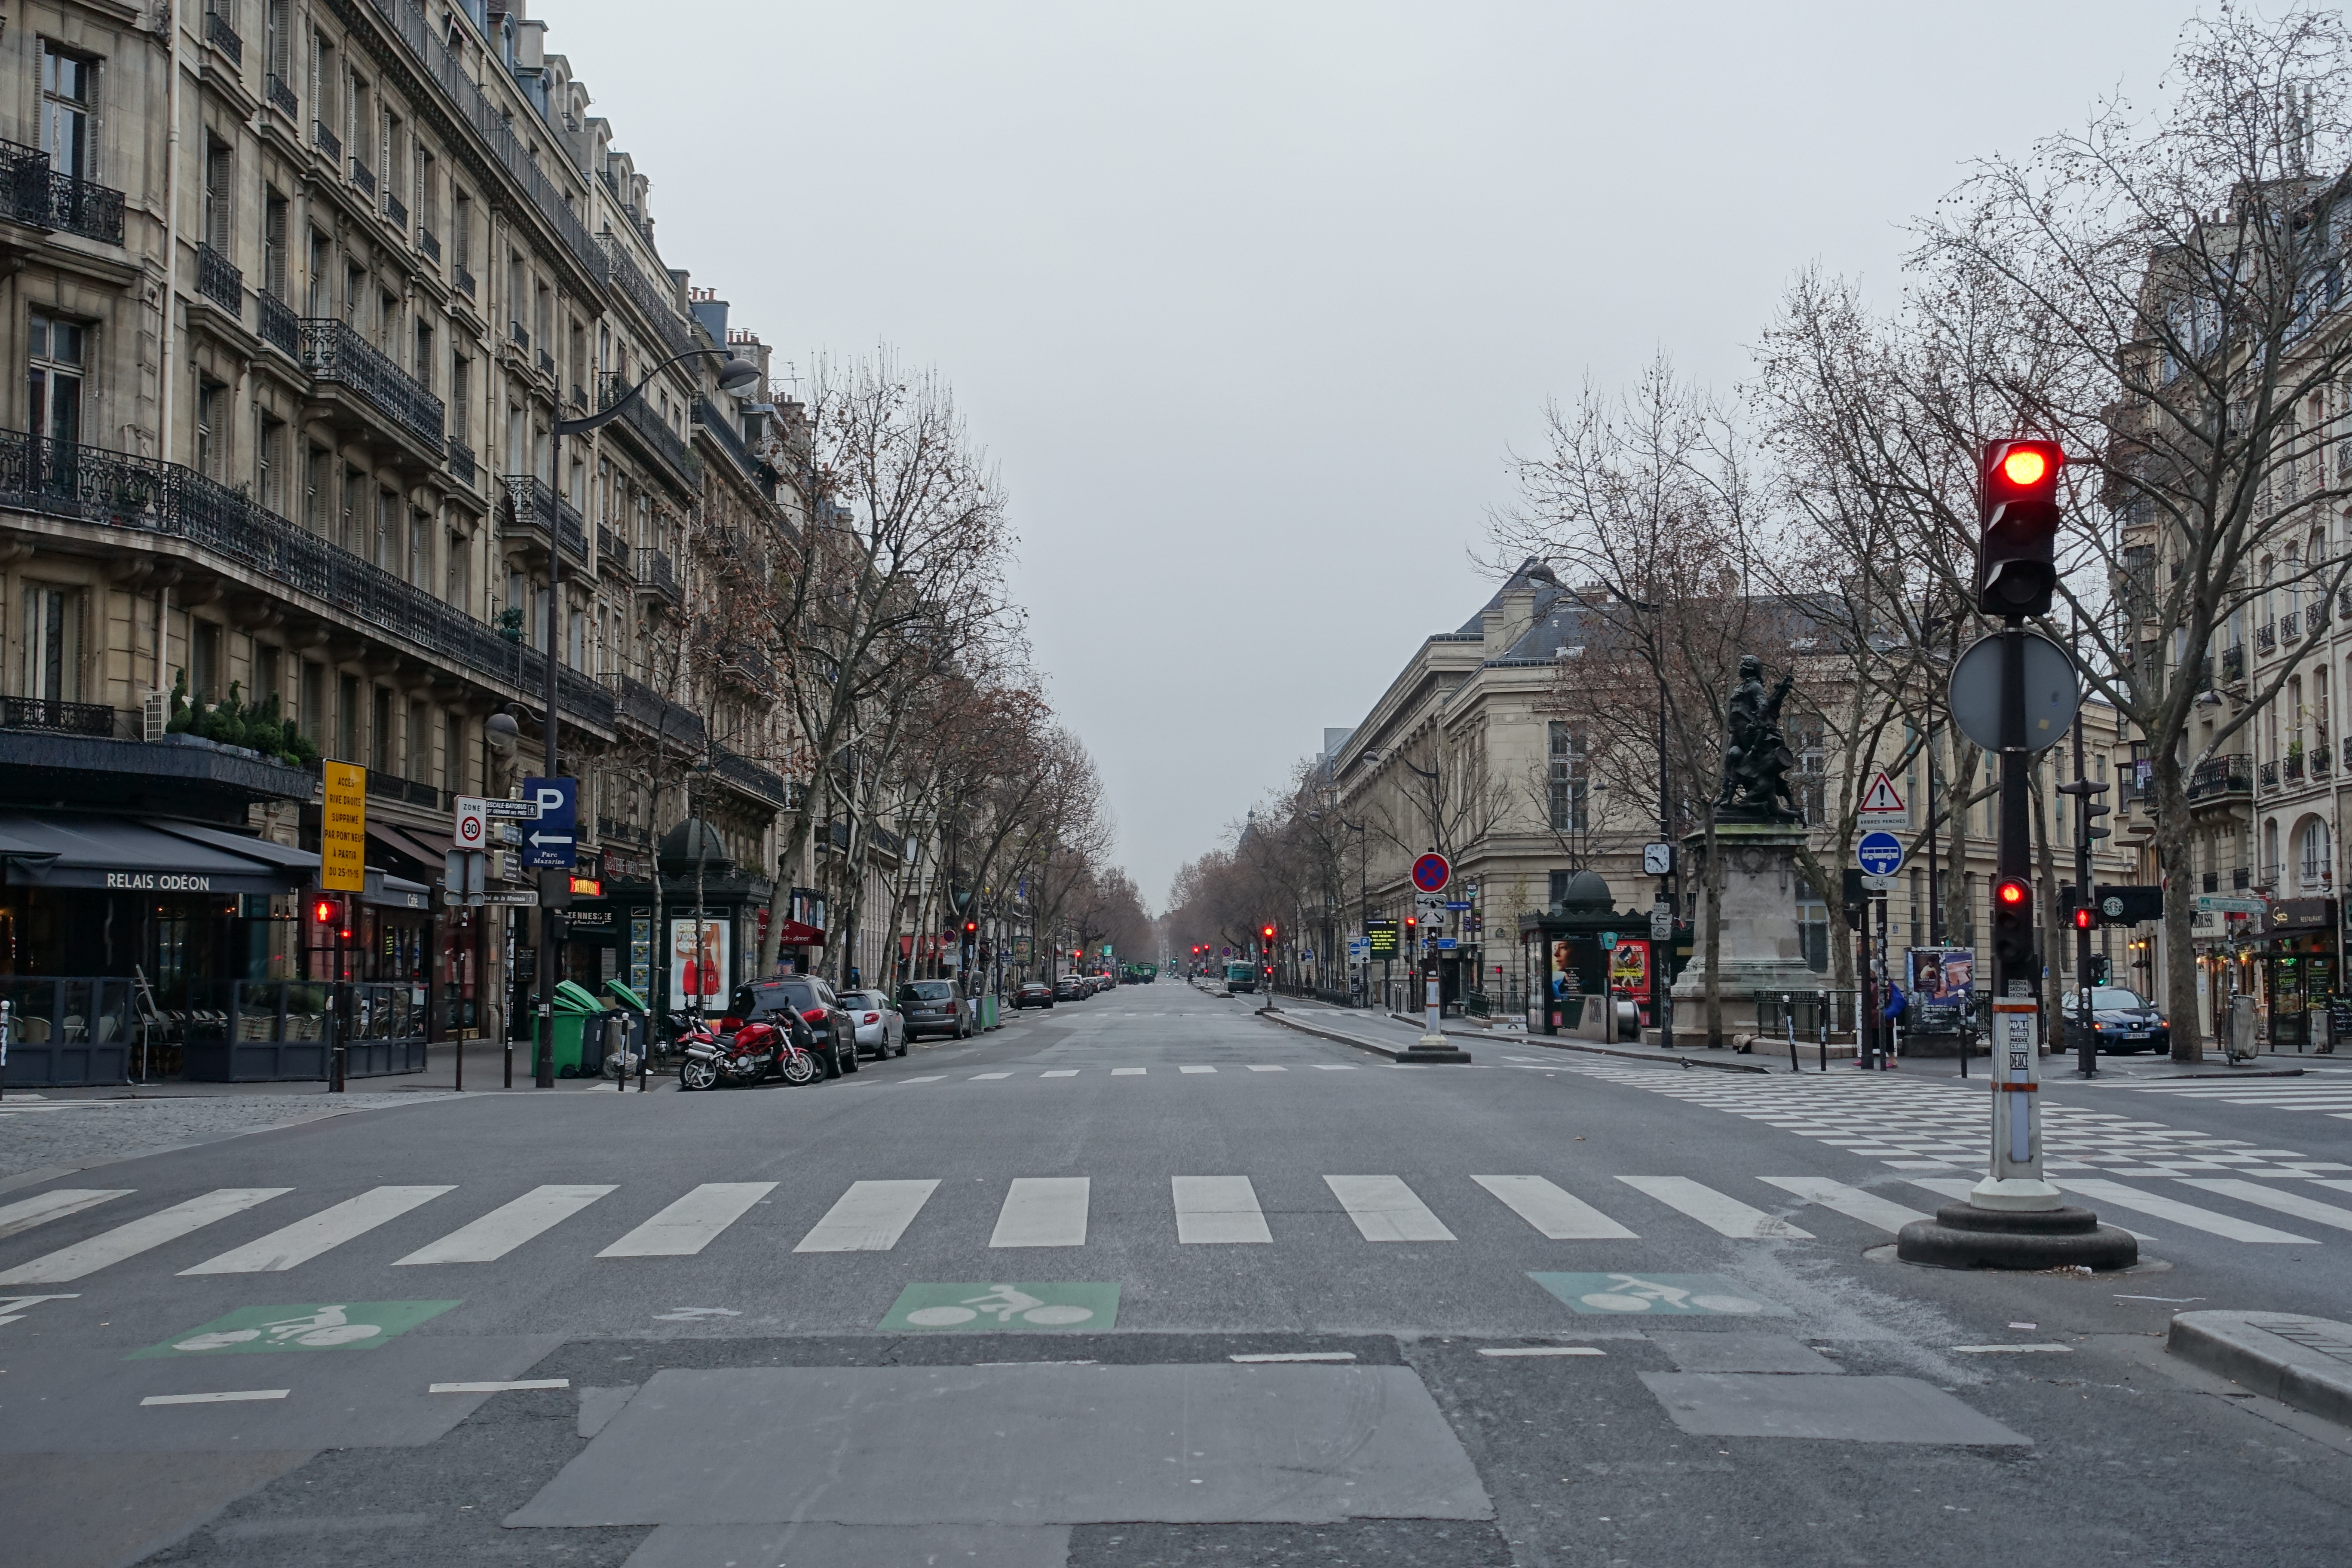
(1148, 1279)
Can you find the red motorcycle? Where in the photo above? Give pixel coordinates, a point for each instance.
(752, 1053)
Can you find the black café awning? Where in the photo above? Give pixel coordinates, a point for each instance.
(145, 854)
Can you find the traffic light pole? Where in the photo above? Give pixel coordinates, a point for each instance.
(2084, 1025)
(2015, 1182)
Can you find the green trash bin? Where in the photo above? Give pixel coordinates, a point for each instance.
(620, 992)
(575, 1006)
(988, 1018)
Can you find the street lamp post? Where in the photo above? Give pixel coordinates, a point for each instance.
(734, 376)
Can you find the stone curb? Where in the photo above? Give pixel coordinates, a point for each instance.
(2296, 1360)
(1286, 1021)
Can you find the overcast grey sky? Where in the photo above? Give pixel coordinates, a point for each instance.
(1250, 300)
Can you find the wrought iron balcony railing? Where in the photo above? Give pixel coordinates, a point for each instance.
(644, 427)
(167, 501)
(335, 351)
(2266, 775)
(363, 176)
(745, 663)
(652, 300)
(2320, 757)
(2267, 637)
(461, 462)
(533, 509)
(634, 700)
(2219, 777)
(547, 365)
(326, 141)
(2293, 767)
(658, 577)
(2234, 663)
(396, 210)
(218, 280)
(63, 718)
(714, 422)
(610, 552)
(745, 773)
(222, 37)
(428, 242)
(464, 282)
(33, 193)
(281, 96)
(2290, 627)
(280, 325)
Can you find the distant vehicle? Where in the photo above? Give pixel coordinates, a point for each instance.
(1071, 988)
(2125, 1020)
(1138, 973)
(1034, 994)
(1241, 977)
(935, 1007)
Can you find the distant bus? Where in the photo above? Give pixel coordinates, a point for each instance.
(1241, 976)
(1138, 974)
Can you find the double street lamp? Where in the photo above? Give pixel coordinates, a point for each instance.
(734, 376)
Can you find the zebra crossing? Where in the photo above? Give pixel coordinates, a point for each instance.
(1056, 1212)
(1186, 1070)
(2320, 1096)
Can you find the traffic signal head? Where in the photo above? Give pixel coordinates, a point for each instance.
(2012, 930)
(2097, 973)
(970, 926)
(1265, 934)
(2017, 570)
(323, 911)
(2085, 917)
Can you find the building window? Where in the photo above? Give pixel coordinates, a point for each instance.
(219, 188)
(317, 490)
(203, 661)
(66, 94)
(319, 299)
(2313, 868)
(52, 643)
(273, 210)
(460, 587)
(56, 378)
(1811, 785)
(210, 397)
(1570, 811)
(1813, 927)
(419, 742)
(268, 674)
(347, 718)
(268, 460)
(453, 752)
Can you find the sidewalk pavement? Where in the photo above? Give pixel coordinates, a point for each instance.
(2298, 1361)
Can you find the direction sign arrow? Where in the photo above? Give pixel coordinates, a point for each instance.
(537, 839)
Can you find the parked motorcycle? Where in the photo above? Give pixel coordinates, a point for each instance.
(749, 1055)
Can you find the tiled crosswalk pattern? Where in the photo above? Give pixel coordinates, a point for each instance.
(1916, 1126)
(2328, 1096)
(558, 1222)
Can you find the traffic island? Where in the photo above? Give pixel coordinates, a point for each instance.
(1963, 1235)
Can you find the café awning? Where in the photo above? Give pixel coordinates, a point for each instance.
(145, 854)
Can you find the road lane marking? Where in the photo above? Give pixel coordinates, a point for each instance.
(1385, 1209)
(30, 1212)
(507, 1388)
(984, 1077)
(928, 1078)
(1558, 1215)
(507, 1226)
(2012, 1350)
(1724, 1216)
(227, 1397)
(1255, 1067)
(1043, 1211)
(1539, 1350)
(869, 1217)
(328, 1228)
(1852, 1202)
(1127, 1072)
(1196, 1070)
(1293, 1355)
(129, 1240)
(2117, 1195)
(1333, 1066)
(1060, 1072)
(692, 1222)
(2295, 1204)
(1218, 1209)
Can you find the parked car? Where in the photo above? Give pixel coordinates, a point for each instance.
(814, 1000)
(880, 1028)
(1034, 994)
(2126, 1021)
(1070, 988)
(936, 1007)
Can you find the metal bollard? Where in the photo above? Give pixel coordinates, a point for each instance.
(1789, 1010)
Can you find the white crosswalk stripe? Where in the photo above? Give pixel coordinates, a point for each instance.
(1060, 1072)
(2261, 1197)
(1385, 1209)
(1725, 1215)
(692, 1222)
(30, 1212)
(507, 1226)
(1043, 1211)
(331, 1228)
(1196, 1070)
(1217, 1210)
(869, 1217)
(2116, 1196)
(1852, 1202)
(1558, 1215)
(1127, 1072)
(142, 1235)
(1255, 1067)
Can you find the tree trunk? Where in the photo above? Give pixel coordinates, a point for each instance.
(2173, 849)
(1959, 785)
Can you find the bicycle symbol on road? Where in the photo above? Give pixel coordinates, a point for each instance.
(1004, 1300)
(1632, 1295)
(1664, 1295)
(325, 1326)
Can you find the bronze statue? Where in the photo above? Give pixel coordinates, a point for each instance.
(1756, 757)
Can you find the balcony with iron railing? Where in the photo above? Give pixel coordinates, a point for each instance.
(644, 428)
(653, 301)
(531, 510)
(142, 499)
(745, 663)
(280, 327)
(281, 96)
(639, 704)
(464, 280)
(428, 242)
(2290, 627)
(746, 775)
(2320, 758)
(547, 365)
(461, 463)
(326, 141)
(223, 37)
(336, 351)
(2267, 637)
(2266, 775)
(611, 553)
(709, 419)
(2291, 768)
(2234, 663)
(218, 280)
(34, 193)
(59, 718)
(363, 176)
(396, 210)
(658, 576)
(2221, 778)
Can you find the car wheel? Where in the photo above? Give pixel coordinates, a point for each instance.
(851, 1063)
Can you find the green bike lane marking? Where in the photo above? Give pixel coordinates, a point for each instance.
(1656, 1295)
(309, 1326)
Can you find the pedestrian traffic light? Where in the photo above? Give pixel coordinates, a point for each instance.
(323, 911)
(2017, 562)
(2012, 928)
(2097, 973)
(2085, 917)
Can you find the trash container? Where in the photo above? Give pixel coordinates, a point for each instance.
(628, 1023)
(988, 1018)
(575, 1006)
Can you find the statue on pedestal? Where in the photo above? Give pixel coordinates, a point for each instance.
(1756, 756)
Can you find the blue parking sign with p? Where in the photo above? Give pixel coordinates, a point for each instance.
(554, 839)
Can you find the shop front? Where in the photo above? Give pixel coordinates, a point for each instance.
(2299, 971)
(1582, 963)
(688, 949)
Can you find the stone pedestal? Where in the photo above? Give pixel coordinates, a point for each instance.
(1760, 952)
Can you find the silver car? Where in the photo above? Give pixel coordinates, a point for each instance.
(881, 1028)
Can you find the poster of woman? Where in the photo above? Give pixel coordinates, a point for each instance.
(699, 962)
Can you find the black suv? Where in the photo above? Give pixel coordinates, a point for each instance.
(810, 999)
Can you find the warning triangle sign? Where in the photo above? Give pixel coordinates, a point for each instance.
(1880, 800)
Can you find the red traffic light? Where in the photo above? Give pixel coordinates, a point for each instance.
(2084, 918)
(970, 926)
(1267, 932)
(2012, 893)
(1410, 921)
(323, 911)
(2017, 569)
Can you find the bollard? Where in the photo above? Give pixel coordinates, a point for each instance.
(1821, 1017)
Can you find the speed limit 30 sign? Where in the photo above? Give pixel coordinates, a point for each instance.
(472, 830)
